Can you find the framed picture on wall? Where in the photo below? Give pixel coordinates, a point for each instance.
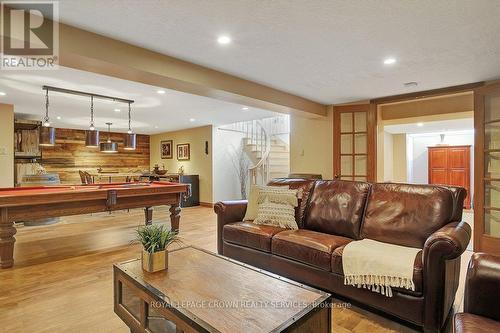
(167, 149)
(183, 152)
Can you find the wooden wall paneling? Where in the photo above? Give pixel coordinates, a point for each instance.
(70, 155)
(454, 103)
(428, 93)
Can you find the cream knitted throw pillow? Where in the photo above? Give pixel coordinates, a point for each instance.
(276, 207)
(253, 199)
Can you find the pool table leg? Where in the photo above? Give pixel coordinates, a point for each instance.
(7, 240)
(175, 216)
(148, 215)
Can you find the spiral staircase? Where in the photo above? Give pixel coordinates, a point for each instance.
(265, 146)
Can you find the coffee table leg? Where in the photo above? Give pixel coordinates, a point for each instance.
(7, 240)
(148, 215)
(175, 216)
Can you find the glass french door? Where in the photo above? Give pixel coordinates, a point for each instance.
(354, 142)
(487, 169)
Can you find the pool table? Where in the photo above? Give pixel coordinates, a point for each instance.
(25, 203)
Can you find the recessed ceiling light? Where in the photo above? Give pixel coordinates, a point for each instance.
(389, 61)
(245, 108)
(58, 117)
(2, 93)
(420, 124)
(117, 110)
(192, 119)
(156, 126)
(161, 92)
(224, 40)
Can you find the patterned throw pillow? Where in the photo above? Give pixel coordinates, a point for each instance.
(253, 198)
(277, 208)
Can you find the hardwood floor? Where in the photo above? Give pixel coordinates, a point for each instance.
(62, 278)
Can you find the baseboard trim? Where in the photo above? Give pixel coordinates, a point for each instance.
(207, 204)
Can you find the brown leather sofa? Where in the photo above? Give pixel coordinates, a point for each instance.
(333, 213)
(482, 296)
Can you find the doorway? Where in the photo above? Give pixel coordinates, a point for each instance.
(429, 142)
(409, 149)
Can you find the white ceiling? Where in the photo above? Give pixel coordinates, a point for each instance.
(442, 126)
(151, 113)
(330, 51)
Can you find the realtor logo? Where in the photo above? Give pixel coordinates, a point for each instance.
(30, 35)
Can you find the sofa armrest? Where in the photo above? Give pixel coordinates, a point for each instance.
(449, 242)
(228, 212)
(441, 262)
(482, 286)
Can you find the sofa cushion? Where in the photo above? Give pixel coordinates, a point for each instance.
(309, 247)
(337, 267)
(336, 207)
(471, 323)
(304, 186)
(459, 194)
(406, 214)
(250, 234)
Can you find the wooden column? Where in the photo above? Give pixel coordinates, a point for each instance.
(7, 240)
(148, 214)
(175, 216)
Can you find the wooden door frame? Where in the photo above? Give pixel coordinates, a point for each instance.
(482, 242)
(371, 137)
(377, 102)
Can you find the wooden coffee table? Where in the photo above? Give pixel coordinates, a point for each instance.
(205, 292)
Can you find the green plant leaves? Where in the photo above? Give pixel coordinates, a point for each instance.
(156, 237)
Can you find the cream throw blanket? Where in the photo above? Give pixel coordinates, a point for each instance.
(378, 266)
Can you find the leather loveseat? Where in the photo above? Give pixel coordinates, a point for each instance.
(482, 296)
(332, 213)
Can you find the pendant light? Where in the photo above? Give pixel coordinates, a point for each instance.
(92, 134)
(109, 146)
(130, 137)
(47, 133)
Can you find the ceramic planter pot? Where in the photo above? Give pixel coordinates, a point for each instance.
(154, 262)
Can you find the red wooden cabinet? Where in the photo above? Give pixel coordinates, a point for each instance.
(450, 165)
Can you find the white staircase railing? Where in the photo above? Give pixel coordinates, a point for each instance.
(259, 134)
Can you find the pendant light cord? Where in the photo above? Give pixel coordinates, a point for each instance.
(92, 112)
(129, 120)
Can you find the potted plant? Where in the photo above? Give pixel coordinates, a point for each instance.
(155, 240)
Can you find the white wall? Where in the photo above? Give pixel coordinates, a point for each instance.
(200, 163)
(311, 145)
(226, 145)
(388, 157)
(399, 163)
(418, 162)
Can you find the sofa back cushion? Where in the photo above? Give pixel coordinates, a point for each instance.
(304, 186)
(459, 194)
(406, 214)
(336, 207)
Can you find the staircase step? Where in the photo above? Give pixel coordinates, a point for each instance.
(249, 141)
(254, 147)
(278, 174)
(273, 154)
(279, 161)
(279, 168)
